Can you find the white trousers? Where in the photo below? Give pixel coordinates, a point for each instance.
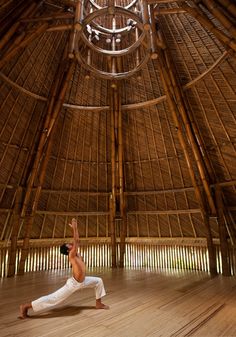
(48, 301)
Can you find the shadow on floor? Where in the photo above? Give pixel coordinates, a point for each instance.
(63, 311)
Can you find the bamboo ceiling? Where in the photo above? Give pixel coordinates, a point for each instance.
(160, 199)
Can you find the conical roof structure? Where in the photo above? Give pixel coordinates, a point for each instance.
(119, 114)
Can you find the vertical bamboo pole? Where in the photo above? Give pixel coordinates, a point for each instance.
(77, 26)
(113, 149)
(14, 235)
(78, 15)
(113, 179)
(145, 15)
(113, 233)
(137, 53)
(222, 232)
(210, 246)
(123, 229)
(120, 152)
(153, 33)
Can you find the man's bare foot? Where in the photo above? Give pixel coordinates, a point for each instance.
(24, 311)
(102, 306)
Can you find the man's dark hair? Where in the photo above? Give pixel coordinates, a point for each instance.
(64, 249)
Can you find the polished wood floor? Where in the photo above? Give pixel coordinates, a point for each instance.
(142, 304)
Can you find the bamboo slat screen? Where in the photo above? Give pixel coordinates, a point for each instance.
(138, 255)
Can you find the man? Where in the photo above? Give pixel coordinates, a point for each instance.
(78, 281)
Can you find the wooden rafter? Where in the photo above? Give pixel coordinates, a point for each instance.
(167, 77)
(54, 107)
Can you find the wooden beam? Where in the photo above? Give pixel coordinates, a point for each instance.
(189, 124)
(148, 192)
(57, 16)
(203, 19)
(217, 12)
(54, 108)
(13, 14)
(166, 77)
(27, 40)
(6, 38)
(170, 211)
(229, 5)
(168, 11)
(127, 107)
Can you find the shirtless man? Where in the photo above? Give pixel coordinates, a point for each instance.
(78, 281)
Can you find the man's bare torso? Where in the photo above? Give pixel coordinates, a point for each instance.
(78, 267)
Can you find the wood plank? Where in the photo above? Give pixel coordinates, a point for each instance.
(142, 303)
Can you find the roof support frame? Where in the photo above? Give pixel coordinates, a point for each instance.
(30, 201)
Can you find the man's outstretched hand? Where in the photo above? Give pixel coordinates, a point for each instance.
(73, 223)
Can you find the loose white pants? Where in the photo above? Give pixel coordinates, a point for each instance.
(48, 301)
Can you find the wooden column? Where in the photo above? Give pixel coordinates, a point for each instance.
(145, 14)
(210, 245)
(77, 26)
(41, 159)
(15, 231)
(153, 33)
(123, 234)
(113, 177)
(117, 200)
(113, 233)
(123, 221)
(222, 233)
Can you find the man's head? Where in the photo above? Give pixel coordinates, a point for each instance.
(65, 248)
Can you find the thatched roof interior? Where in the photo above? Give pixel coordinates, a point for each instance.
(159, 193)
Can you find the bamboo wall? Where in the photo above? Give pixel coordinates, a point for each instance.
(150, 254)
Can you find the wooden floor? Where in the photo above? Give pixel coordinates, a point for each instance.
(142, 303)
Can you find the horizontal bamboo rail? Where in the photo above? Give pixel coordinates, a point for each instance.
(102, 194)
(167, 11)
(48, 18)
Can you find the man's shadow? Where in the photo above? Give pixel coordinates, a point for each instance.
(70, 310)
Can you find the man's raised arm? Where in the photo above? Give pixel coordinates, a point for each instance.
(74, 227)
